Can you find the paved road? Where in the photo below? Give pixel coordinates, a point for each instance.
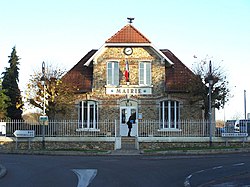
(123, 171)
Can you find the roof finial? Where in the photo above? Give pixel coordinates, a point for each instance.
(130, 20)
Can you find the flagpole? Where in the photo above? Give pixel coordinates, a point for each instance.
(245, 110)
(245, 107)
(126, 71)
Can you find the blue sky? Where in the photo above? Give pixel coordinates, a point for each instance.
(61, 32)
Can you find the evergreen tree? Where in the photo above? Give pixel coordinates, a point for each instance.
(10, 85)
(4, 102)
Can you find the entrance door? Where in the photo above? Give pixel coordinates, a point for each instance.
(125, 113)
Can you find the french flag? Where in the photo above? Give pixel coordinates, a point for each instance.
(127, 72)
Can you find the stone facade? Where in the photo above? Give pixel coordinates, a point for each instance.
(148, 105)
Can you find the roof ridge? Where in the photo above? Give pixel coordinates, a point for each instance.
(139, 33)
(128, 34)
(107, 41)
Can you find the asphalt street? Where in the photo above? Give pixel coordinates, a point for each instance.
(126, 170)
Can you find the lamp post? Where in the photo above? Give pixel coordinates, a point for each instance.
(44, 113)
(210, 82)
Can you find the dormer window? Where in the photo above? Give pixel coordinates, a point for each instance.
(113, 73)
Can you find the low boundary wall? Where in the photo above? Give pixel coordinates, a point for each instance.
(177, 142)
(59, 143)
(111, 143)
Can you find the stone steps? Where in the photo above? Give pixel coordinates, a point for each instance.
(128, 143)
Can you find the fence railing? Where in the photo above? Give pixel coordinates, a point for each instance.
(64, 128)
(146, 128)
(183, 128)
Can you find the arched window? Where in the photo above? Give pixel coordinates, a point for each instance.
(88, 114)
(169, 114)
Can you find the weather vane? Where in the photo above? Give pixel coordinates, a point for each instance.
(130, 20)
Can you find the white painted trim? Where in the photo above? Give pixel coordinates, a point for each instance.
(87, 130)
(189, 139)
(75, 139)
(118, 144)
(169, 130)
(101, 49)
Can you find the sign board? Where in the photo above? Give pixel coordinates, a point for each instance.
(3, 128)
(24, 133)
(129, 90)
(43, 118)
(234, 135)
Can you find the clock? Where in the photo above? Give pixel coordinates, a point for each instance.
(128, 51)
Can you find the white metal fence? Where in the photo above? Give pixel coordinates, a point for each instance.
(183, 128)
(146, 128)
(55, 128)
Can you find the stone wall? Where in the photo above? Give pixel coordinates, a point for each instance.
(148, 105)
(9, 144)
(194, 142)
(179, 145)
(57, 144)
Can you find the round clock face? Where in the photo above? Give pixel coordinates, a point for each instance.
(128, 51)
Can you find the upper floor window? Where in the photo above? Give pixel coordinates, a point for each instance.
(169, 114)
(113, 73)
(87, 114)
(145, 73)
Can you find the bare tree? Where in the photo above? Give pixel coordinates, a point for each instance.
(57, 95)
(199, 87)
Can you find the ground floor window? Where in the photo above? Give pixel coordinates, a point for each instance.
(169, 114)
(87, 115)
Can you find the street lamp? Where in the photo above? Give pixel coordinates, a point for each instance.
(210, 82)
(44, 113)
(43, 83)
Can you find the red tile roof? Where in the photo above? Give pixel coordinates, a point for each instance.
(80, 77)
(179, 76)
(128, 34)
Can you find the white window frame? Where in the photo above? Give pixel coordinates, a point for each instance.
(88, 125)
(144, 81)
(114, 73)
(166, 123)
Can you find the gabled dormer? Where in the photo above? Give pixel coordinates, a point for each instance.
(129, 36)
(84, 74)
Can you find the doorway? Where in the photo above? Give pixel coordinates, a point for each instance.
(125, 113)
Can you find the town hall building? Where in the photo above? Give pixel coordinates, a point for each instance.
(129, 75)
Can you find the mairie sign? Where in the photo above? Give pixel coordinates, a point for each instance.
(129, 90)
(24, 133)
